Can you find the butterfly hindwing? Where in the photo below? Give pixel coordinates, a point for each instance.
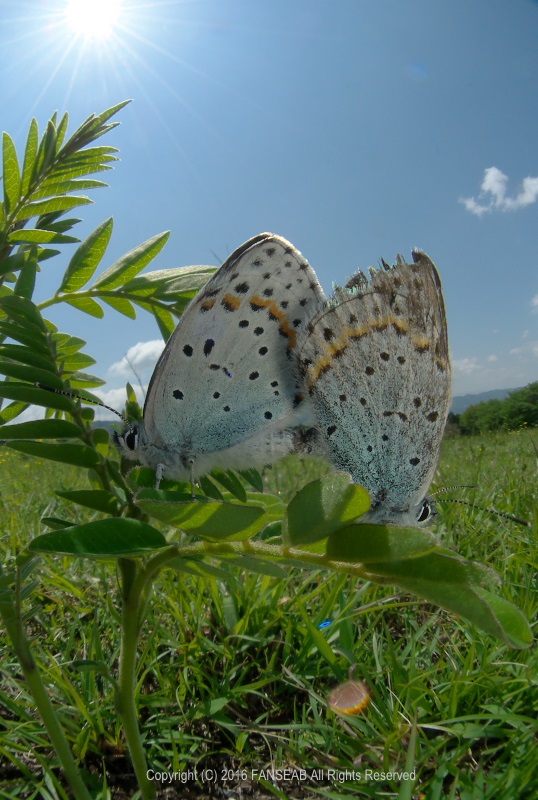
(376, 365)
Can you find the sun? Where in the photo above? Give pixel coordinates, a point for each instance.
(92, 19)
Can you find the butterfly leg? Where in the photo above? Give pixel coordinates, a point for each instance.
(191, 462)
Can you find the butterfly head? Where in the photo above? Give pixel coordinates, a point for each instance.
(417, 516)
(127, 441)
(425, 512)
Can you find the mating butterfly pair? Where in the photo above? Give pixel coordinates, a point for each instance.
(260, 356)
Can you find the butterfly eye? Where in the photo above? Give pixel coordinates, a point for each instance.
(131, 438)
(426, 512)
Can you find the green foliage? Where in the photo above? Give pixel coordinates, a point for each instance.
(234, 671)
(323, 507)
(209, 519)
(518, 410)
(104, 538)
(32, 216)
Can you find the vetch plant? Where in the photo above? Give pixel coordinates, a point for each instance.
(141, 529)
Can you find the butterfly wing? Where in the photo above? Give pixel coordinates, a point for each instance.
(226, 375)
(377, 369)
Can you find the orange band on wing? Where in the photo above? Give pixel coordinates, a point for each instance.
(278, 314)
(336, 347)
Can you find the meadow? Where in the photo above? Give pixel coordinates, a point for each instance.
(234, 674)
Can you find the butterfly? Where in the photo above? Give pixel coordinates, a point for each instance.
(224, 393)
(376, 366)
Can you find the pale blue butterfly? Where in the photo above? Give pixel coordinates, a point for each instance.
(376, 365)
(224, 393)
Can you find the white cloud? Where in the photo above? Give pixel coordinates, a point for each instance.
(492, 359)
(474, 207)
(493, 195)
(139, 358)
(465, 365)
(528, 195)
(534, 304)
(525, 349)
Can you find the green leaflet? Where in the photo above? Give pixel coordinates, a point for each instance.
(104, 538)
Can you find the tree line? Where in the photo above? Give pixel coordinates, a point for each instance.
(518, 410)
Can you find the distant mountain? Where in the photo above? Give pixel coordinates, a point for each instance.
(462, 402)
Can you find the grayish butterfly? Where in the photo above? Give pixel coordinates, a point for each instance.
(376, 365)
(224, 392)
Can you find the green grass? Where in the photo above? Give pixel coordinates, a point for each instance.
(235, 676)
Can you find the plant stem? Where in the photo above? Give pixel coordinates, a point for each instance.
(12, 620)
(126, 701)
(246, 547)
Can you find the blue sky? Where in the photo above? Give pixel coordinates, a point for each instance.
(355, 129)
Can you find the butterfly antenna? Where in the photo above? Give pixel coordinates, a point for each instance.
(448, 488)
(475, 505)
(490, 510)
(84, 399)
